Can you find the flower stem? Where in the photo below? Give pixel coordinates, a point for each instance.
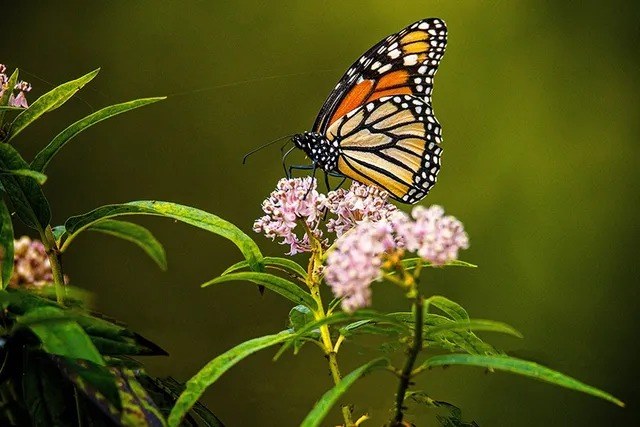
(55, 261)
(313, 282)
(414, 350)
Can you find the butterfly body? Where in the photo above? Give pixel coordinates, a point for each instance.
(377, 126)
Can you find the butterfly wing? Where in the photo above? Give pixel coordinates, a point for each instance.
(391, 142)
(402, 64)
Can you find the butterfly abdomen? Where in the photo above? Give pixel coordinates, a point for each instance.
(322, 152)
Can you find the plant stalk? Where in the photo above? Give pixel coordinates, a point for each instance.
(313, 282)
(416, 347)
(55, 260)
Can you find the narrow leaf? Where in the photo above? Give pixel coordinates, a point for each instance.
(6, 95)
(136, 234)
(60, 335)
(43, 158)
(520, 367)
(6, 242)
(186, 214)
(277, 284)
(26, 195)
(38, 177)
(4, 100)
(214, 369)
(341, 317)
(450, 308)
(476, 325)
(273, 262)
(47, 102)
(411, 263)
(326, 402)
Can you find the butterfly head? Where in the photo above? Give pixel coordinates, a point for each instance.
(319, 149)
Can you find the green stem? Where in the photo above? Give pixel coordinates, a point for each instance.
(55, 260)
(313, 282)
(416, 347)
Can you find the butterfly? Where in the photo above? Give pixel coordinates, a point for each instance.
(377, 126)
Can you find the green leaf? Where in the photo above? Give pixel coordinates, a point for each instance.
(59, 334)
(273, 262)
(48, 102)
(454, 340)
(26, 195)
(136, 234)
(326, 402)
(277, 284)
(38, 177)
(6, 243)
(411, 263)
(11, 83)
(341, 317)
(4, 100)
(450, 308)
(59, 233)
(476, 325)
(43, 158)
(214, 369)
(450, 340)
(97, 382)
(299, 316)
(112, 339)
(520, 367)
(42, 384)
(4, 108)
(186, 214)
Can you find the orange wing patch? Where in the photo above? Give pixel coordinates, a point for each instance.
(414, 36)
(391, 84)
(355, 98)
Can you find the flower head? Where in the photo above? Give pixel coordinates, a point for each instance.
(22, 87)
(356, 261)
(360, 203)
(294, 200)
(436, 238)
(31, 266)
(20, 99)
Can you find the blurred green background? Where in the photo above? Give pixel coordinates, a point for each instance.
(539, 105)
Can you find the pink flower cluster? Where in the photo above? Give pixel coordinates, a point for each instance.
(21, 87)
(31, 266)
(360, 203)
(366, 226)
(297, 202)
(356, 260)
(293, 201)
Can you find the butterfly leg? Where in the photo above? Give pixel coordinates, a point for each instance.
(313, 178)
(287, 172)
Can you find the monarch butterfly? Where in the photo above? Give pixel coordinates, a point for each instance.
(377, 125)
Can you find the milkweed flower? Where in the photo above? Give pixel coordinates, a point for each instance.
(360, 203)
(22, 87)
(20, 100)
(294, 200)
(31, 267)
(357, 258)
(356, 262)
(436, 238)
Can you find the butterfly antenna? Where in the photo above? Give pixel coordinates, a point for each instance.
(255, 150)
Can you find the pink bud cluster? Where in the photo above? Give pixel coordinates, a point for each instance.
(296, 204)
(22, 87)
